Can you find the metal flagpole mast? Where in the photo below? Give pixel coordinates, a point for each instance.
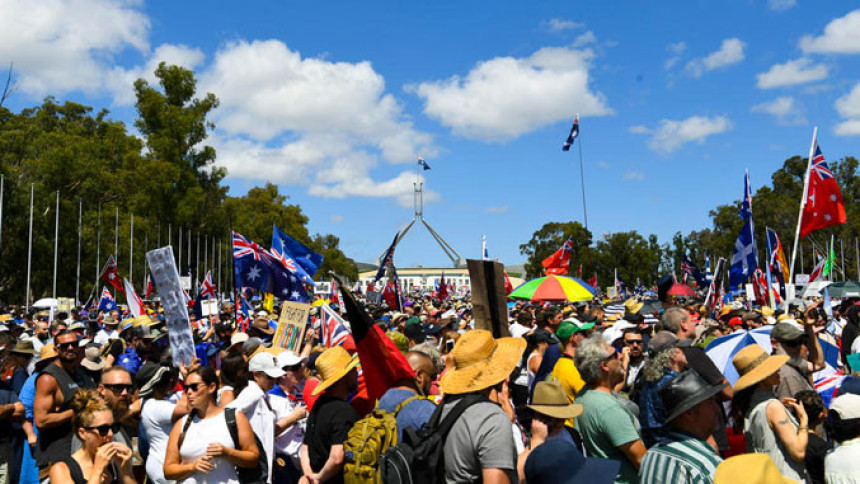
(131, 251)
(99, 243)
(116, 235)
(158, 240)
(180, 250)
(197, 266)
(220, 262)
(770, 296)
(205, 253)
(800, 212)
(56, 245)
(29, 250)
(78, 273)
(212, 266)
(188, 243)
(582, 177)
(2, 186)
(842, 252)
(857, 257)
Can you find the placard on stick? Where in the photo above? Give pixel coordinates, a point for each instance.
(165, 277)
(488, 296)
(291, 326)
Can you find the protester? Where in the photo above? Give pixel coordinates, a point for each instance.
(768, 425)
(804, 352)
(11, 411)
(116, 389)
(200, 447)
(666, 362)
(407, 398)
(158, 414)
(290, 415)
(634, 353)
(843, 424)
(109, 332)
(817, 447)
(99, 458)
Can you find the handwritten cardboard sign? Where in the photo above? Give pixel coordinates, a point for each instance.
(291, 326)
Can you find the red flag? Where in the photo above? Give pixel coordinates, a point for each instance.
(593, 281)
(390, 295)
(443, 288)
(559, 261)
(579, 271)
(509, 287)
(148, 286)
(818, 271)
(824, 206)
(110, 273)
(334, 297)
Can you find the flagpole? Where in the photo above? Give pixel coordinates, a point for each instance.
(29, 250)
(78, 272)
(842, 253)
(116, 235)
(98, 245)
(800, 212)
(213, 254)
(205, 253)
(197, 266)
(2, 187)
(188, 243)
(582, 178)
(180, 250)
(770, 296)
(56, 245)
(220, 263)
(131, 251)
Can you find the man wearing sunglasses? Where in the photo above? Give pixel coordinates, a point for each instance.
(52, 412)
(117, 389)
(634, 352)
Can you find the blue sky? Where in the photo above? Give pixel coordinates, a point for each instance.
(333, 101)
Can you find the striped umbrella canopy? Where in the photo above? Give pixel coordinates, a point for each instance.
(554, 288)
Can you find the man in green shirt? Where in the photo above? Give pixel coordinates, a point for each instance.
(609, 430)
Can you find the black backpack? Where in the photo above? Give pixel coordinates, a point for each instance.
(252, 475)
(419, 458)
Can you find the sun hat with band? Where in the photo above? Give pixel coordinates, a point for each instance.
(332, 365)
(481, 362)
(551, 400)
(753, 467)
(754, 365)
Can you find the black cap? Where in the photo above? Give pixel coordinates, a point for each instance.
(415, 332)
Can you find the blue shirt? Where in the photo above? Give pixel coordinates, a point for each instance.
(414, 414)
(652, 413)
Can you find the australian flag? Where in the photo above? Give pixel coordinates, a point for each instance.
(745, 256)
(574, 132)
(423, 164)
(689, 267)
(295, 256)
(256, 267)
(387, 258)
(106, 303)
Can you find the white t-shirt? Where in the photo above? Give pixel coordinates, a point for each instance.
(200, 434)
(518, 330)
(156, 419)
(290, 440)
(104, 335)
(252, 403)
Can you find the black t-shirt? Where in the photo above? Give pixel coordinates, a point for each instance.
(328, 424)
(816, 450)
(705, 367)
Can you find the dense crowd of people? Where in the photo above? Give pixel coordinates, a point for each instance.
(593, 391)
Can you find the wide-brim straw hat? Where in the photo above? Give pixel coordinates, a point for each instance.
(332, 365)
(754, 365)
(550, 399)
(753, 467)
(481, 362)
(46, 356)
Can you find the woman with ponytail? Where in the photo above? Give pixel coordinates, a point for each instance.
(200, 448)
(99, 460)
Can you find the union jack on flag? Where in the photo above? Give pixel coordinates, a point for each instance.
(332, 328)
(207, 287)
(819, 165)
(243, 247)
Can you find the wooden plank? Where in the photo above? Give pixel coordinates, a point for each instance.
(489, 302)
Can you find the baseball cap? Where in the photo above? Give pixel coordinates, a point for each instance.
(566, 329)
(847, 406)
(288, 358)
(238, 338)
(265, 362)
(415, 332)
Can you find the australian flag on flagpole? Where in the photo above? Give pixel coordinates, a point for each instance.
(689, 267)
(106, 303)
(294, 255)
(422, 163)
(256, 267)
(745, 256)
(574, 132)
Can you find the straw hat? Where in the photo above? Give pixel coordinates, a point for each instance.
(481, 362)
(758, 468)
(633, 306)
(46, 356)
(754, 365)
(550, 399)
(332, 365)
(24, 347)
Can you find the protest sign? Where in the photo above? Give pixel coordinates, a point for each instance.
(291, 326)
(208, 307)
(488, 296)
(165, 278)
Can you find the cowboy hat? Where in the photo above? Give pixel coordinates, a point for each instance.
(332, 365)
(754, 365)
(261, 324)
(92, 359)
(24, 347)
(110, 321)
(551, 400)
(481, 361)
(684, 392)
(633, 306)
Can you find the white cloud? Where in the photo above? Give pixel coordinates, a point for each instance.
(505, 97)
(639, 129)
(781, 5)
(559, 25)
(676, 49)
(785, 109)
(120, 81)
(499, 209)
(841, 36)
(634, 175)
(68, 45)
(336, 219)
(671, 134)
(793, 72)
(731, 52)
(848, 106)
(584, 39)
(603, 164)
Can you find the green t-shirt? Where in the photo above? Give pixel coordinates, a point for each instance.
(605, 425)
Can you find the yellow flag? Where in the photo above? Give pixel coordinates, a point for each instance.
(269, 303)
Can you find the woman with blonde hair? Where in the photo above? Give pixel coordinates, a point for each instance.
(100, 459)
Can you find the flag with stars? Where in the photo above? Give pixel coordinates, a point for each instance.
(258, 268)
(106, 302)
(824, 206)
(294, 255)
(110, 273)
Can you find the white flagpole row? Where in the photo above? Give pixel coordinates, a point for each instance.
(29, 250)
(2, 186)
(56, 245)
(78, 271)
(800, 212)
(131, 251)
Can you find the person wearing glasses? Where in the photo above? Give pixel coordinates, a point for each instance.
(52, 411)
(200, 448)
(608, 428)
(117, 390)
(99, 455)
(634, 353)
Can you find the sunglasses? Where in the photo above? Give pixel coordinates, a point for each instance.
(67, 346)
(104, 429)
(633, 342)
(193, 387)
(118, 388)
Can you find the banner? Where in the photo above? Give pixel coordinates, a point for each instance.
(165, 278)
(291, 326)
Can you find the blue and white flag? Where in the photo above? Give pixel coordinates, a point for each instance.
(423, 163)
(574, 132)
(294, 255)
(106, 303)
(256, 267)
(708, 276)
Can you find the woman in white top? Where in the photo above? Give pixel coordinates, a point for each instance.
(158, 415)
(200, 448)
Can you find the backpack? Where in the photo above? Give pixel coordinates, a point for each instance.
(420, 458)
(253, 475)
(367, 441)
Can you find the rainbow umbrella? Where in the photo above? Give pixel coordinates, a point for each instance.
(554, 288)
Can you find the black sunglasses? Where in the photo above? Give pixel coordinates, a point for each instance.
(118, 387)
(104, 429)
(633, 341)
(67, 346)
(293, 368)
(194, 386)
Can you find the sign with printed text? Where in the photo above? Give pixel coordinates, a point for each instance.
(208, 307)
(165, 278)
(291, 326)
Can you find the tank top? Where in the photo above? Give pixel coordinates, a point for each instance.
(77, 473)
(55, 444)
(530, 374)
(761, 438)
(199, 435)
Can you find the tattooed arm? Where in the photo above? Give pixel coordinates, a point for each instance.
(793, 438)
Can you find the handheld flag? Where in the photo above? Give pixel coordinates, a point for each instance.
(332, 329)
(294, 255)
(334, 295)
(110, 273)
(831, 259)
(559, 261)
(148, 285)
(387, 259)
(823, 205)
(207, 287)
(135, 305)
(257, 268)
(708, 275)
(574, 132)
(818, 270)
(442, 293)
(106, 302)
(423, 163)
(690, 268)
(484, 253)
(745, 256)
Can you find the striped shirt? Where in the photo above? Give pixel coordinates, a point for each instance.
(680, 458)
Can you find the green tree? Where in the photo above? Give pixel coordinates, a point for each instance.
(550, 238)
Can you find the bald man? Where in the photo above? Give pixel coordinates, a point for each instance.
(407, 398)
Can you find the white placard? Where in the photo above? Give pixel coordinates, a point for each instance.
(209, 307)
(166, 280)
